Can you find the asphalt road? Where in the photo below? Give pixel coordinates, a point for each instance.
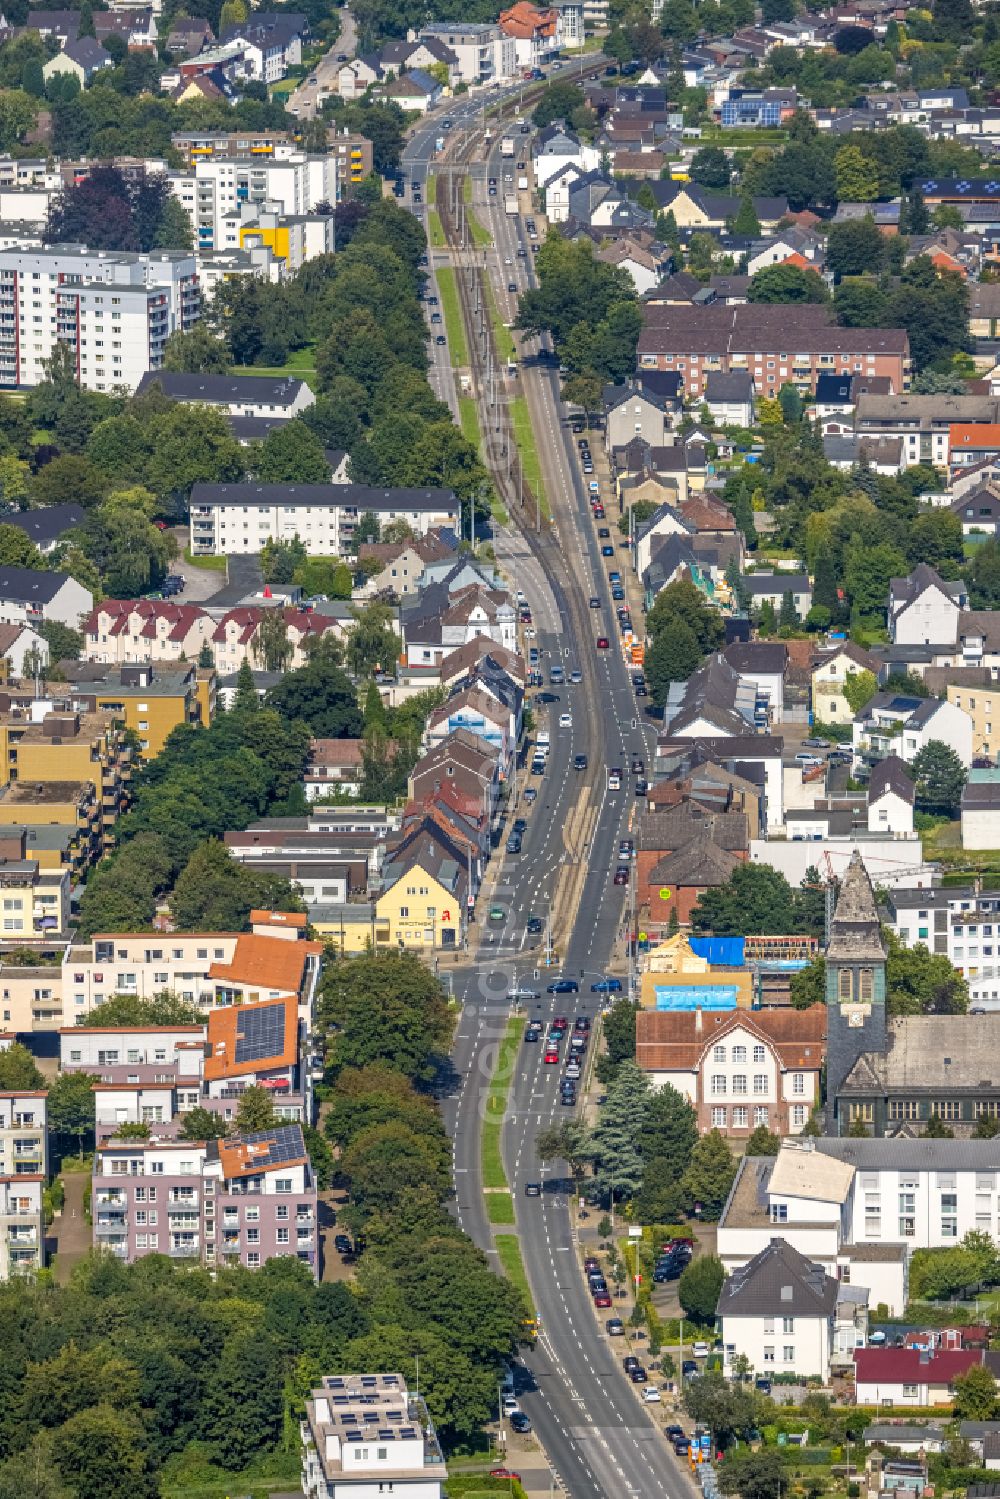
(304, 101)
(600, 1440)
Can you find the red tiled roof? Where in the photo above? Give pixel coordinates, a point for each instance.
(909, 1366)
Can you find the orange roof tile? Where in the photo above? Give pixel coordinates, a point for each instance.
(974, 435)
(227, 1025)
(270, 962)
(669, 1040)
(279, 918)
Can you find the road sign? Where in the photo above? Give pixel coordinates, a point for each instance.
(665, 892)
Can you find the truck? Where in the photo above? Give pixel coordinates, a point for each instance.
(510, 202)
(522, 183)
(507, 146)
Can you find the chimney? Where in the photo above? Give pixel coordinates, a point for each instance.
(698, 1026)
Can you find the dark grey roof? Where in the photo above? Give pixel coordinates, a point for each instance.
(221, 390)
(891, 774)
(46, 524)
(778, 1282)
(737, 386)
(855, 932)
(28, 586)
(776, 583)
(980, 794)
(359, 497)
(769, 656)
(833, 388)
(892, 1432)
(901, 1153)
(86, 51)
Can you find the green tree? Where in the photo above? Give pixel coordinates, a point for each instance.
(271, 647)
(18, 1071)
(787, 283)
(372, 645)
(129, 1010)
(975, 1395)
(292, 454)
(746, 223)
(709, 1175)
(383, 1006)
(672, 657)
(857, 176)
(202, 1124)
(615, 1140)
(102, 1454)
(196, 352)
(855, 248)
(70, 1106)
(791, 404)
(712, 168)
(669, 1131)
(940, 778)
(756, 899)
(699, 1287)
(682, 600)
(754, 1475)
(242, 1405)
(216, 893)
(859, 688)
(619, 1037)
(936, 1129)
(726, 1410)
(255, 1111)
(763, 1142)
(321, 696)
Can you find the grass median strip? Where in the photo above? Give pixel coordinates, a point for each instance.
(502, 336)
(524, 436)
(468, 420)
(480, 235)
(448, 292)
(509, 1250)
(494, 1176)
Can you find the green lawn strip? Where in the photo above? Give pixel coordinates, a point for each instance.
(214, 564)
(454, 326)
(502, 337)
(494, 1175)
(300, 366)
(524, 436)
(500, 1208)
(509, 1250)
(480, 235)
(468, 420)
(435, 232)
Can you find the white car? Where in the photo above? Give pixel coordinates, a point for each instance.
(700, 1350)
(507, 260)
(510, 1405)
(565, 720)
(530, 633)
(651, 1394)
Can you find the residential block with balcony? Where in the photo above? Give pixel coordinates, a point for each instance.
(367, 1434)
(23, 1171)
(894, 723)
(243, 1200)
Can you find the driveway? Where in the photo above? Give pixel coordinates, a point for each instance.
(72, 1231)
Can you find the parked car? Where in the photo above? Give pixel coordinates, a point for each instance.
(520, 1422)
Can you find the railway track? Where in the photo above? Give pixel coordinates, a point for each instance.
(543, 540)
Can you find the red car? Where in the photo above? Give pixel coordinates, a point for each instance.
(602, 1298)
(602, 642)
(552, 1056)
(598, 512)
(505, 1473)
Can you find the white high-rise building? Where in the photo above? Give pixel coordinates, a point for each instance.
(216, 189)
(114, 310)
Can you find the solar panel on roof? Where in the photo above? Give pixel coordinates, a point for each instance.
(260, 1033)
(284, 1143)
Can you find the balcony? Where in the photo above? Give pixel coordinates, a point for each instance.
(110, 1223)
(184, 1251)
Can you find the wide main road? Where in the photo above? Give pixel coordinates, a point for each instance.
(598, 1437)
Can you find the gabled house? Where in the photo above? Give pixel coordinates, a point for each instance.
(829, 672)
(730, 398)
(979, 512)
(478, 712)
(891, 796)
(788, 1316)
(425, 885)
(924, 609)
(630, 412)
(773, 588)
(81, 57)
(893, 723)
(556, 147)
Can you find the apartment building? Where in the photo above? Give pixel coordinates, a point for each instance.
(777, 345)
(274, 400)
(484, 53)
(894, 723)
(243, 1200)
(353, 152)
(922, 423)
(22, 1220)
(272, 961)
(45, 746)
(155, 1075)
(237, 519)
(217, 186)
(114, 310)
(164, 635)
(366, 1434)
(151, 700)
(62, 822)
(34, 902)
(961, 923)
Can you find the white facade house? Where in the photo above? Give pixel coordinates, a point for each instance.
(28, 597)
(787, 1315)
(860, 1207)
(114, 310)
(484, 54)
(924, 609)
(963, 924)
(891, 795)
(910, 1376)
(215, 188)
(237, 519)
(893, 723)
(555, 148)
(365, 1435)
(235, 395)
(557, 191)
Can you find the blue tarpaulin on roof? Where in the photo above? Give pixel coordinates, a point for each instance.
(727, 950)
(695, 996)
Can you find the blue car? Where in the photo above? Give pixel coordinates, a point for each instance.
(563, 986)
(606, 986)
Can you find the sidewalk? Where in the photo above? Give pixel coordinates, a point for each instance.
(72, 1231)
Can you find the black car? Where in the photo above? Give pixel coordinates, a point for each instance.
(637, 1374)
(512, 286)
(514, 843)
(533, 1031)
(580, 762)
(519, 1422)
(342, 1244)
(534, 924)
(563, 986)
(567, 1099)
(519, 825)
(532, 1189)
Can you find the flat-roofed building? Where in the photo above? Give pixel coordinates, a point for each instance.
(365, 1434)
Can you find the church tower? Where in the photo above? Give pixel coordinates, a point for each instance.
(855, 987)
